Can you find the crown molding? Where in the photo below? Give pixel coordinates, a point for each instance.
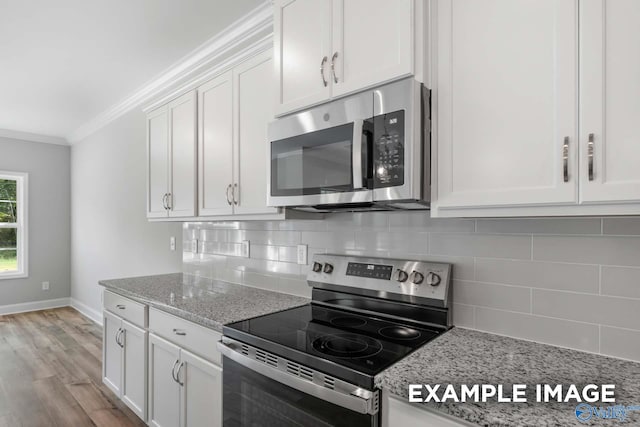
(252, 27)
(32, 137)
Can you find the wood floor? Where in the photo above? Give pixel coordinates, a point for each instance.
(50, 373)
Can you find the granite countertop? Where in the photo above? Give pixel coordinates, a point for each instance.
(208, 302)
(463, 356)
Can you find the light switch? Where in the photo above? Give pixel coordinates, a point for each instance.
(172, 243)
(45, 286)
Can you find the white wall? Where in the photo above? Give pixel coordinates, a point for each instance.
(48, 168)
(110, 235)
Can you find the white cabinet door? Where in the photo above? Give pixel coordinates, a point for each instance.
(302, 46)
(397, 413)
(253, 111)
(505, 102)
(373, 42)
(134, 368)
(609, 101)
(215, 146)
(111, 352)
(157, 162)
(182, 190)
(164, 391)
(202, 392)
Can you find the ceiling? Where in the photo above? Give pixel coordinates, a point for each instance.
(64, 62)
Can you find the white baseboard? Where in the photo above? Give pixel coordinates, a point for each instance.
(34, 306)
(87, 311)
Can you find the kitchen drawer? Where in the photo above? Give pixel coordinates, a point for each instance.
(126, 308)
(195, 338)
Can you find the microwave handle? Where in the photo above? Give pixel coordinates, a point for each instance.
(357, 154)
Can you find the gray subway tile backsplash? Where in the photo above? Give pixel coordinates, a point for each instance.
(572, 282)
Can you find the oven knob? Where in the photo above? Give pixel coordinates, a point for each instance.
(401, 276)
(433, 279)
(416, 277)
(317, 267)
(328, 268)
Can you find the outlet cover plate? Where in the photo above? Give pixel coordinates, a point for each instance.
(302, 254)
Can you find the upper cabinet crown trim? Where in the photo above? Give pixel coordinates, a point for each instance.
(253, 29)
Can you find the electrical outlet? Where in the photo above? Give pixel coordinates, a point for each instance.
(302, 254)
(194, 246)
(172, 243)
(45, 286)
(245, 250)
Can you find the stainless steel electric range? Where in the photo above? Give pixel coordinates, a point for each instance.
(315, 365)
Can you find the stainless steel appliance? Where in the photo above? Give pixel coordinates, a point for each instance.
(315, 365)
(368, 151)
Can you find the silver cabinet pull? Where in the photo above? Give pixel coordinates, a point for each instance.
(324, 61)
(178, 374)
(179, 332)
(233, 193)
(590, 155)
(565, 159)
(333, 67)
(169, 201)
(118, 336)
(229, 202)
(173, 370)
(120, 307)
(164, 201)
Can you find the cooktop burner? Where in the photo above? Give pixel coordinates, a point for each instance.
(399, 332)
(349, 346)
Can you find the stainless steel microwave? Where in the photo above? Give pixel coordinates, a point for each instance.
(368, 151)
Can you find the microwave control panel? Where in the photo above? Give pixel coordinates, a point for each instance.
(388, 149)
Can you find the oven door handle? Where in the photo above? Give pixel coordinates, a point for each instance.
(357, 154)
(361, 405)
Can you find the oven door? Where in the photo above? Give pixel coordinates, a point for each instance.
(256, 394)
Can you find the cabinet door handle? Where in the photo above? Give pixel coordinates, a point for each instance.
(173, 371)
(118, 336)
(122, 338)
(229, 202)
(169, 201)
(333, 67)
(120, 307)
(118, 333)
(324, 61)
(590, 155)
(179, 332)
(164, 201)
(565, 159)
(233, 193)
(178, 374)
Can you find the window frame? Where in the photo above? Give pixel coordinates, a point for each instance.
(22, 236)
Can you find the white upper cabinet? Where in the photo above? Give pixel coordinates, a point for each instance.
(373, 42)
(328, 48)
(505, 91)
(253, 110)
(158, 160)
(215, 149)
(610, 100)
(303, 49)
(171, 156)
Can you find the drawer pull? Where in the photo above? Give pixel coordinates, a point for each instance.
(120, 307)
(179, 332)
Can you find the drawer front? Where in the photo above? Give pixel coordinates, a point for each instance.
(188, 335)
(126, 308)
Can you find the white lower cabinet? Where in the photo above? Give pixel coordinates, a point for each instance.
(184, 389)
(397, 413)
(124, 362)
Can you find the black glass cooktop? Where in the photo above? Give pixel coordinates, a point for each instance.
(338, 342)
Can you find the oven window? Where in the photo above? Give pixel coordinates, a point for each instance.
(314, 163)
(251, 399)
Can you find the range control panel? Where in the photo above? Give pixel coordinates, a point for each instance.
(372, 271)
(405, 280)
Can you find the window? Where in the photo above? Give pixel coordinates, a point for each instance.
(13, 225)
